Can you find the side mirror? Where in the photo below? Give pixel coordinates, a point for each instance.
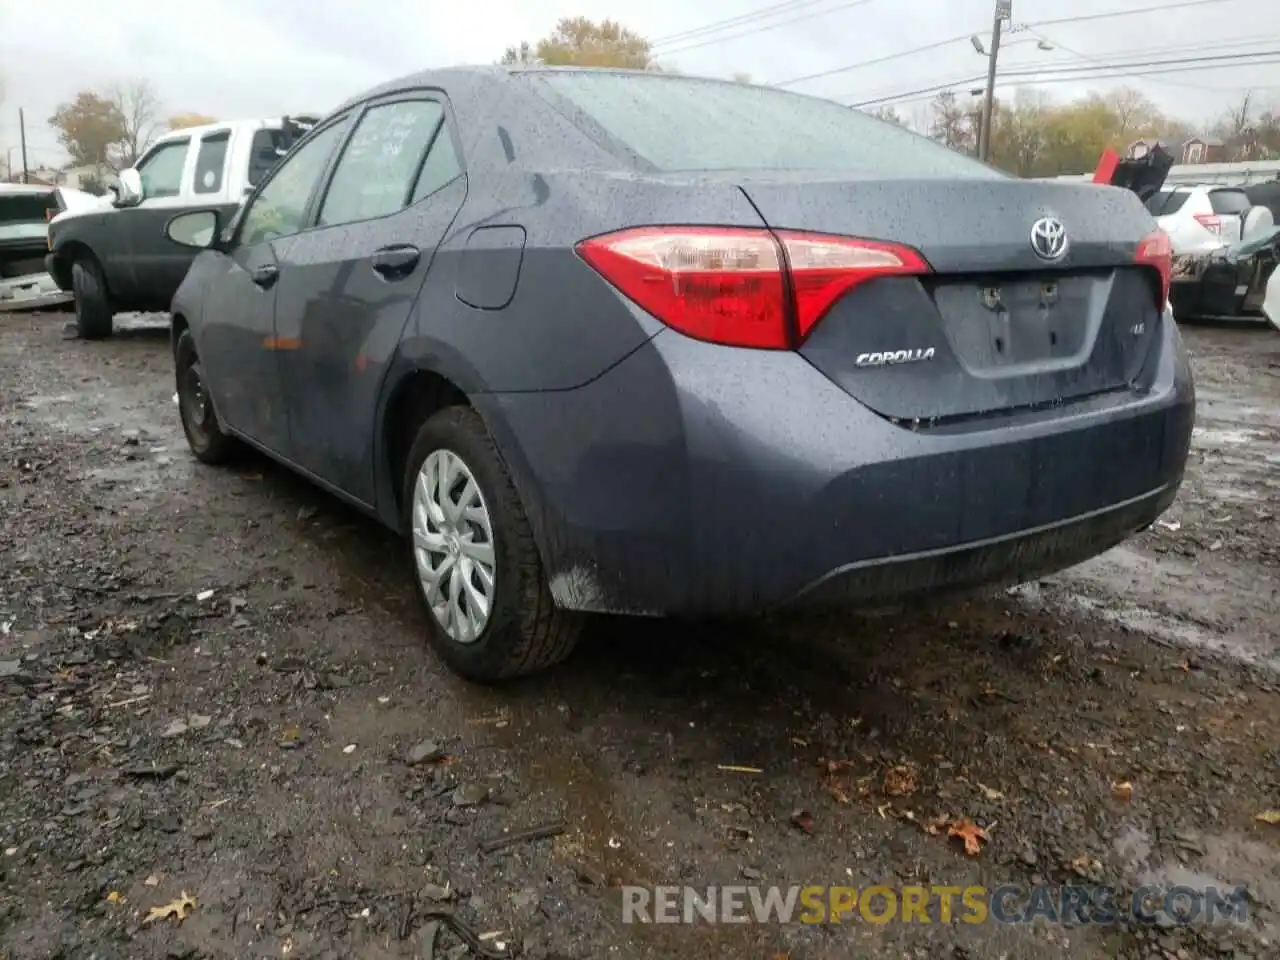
(128, 188)
(198, 228)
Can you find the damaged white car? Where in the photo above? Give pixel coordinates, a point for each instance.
(25, 212)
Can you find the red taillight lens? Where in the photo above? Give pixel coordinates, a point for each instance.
(1156, 250)
(1210, 221)
(730, 285)
(823, 269)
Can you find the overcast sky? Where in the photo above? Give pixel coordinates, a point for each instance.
(248, 58)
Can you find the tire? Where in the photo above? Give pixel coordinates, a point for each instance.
(93, 309)
(524, 631)
(199, 422)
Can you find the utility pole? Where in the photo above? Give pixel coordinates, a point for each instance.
(22, 133)
(1004, 11)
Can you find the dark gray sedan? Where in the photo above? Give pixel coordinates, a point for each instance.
(645, 344)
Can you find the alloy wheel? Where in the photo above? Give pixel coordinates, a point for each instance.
(453, 545)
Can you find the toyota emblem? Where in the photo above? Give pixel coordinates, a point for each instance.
(1049, 238)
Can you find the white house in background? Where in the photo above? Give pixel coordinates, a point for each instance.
(1189, 151)
(77, 177)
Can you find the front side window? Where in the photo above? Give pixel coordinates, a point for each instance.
(210, 161)
(161, 170)
(685, 123)
(279, 209)
(378, 166)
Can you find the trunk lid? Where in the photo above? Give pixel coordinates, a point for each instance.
(995, 326)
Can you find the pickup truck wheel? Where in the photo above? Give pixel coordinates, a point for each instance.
(199, 422)
(478, 570)
(93, 309)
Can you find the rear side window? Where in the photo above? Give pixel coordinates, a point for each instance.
(210, 160)
(380, 163)
(1166, 202)
(161, 169)
(265, 153)
(440, 167)
(1229, 201)
(684, 123)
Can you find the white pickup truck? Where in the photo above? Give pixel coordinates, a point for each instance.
(116, 258)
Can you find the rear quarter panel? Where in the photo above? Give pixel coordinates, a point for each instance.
(529, 167)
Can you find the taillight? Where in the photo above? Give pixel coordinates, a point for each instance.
(741, 286)
(1210, 221)
(1156, 250)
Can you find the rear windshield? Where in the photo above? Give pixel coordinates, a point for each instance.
(268, 146)
(683, 123)
(1229, 201)
(1166, 202)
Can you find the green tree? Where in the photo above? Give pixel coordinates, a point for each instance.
(954, 124)
(90, 128)
(577, 41)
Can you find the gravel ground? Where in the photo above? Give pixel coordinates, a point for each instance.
(213, 683)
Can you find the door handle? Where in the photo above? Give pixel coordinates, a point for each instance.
(397, 261)
(265, 276)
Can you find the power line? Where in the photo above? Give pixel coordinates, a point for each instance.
(963, 37)
(1159, 8)
(1077, 74)
(1185, 48)
(871, 63)
(728, 22)
(768, 26)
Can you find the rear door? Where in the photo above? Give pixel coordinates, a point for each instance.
(348, 284)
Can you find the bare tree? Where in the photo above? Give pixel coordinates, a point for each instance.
(953, 124)
(139, 108)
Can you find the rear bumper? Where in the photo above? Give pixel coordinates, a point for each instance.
(696, 479)
(34, 291)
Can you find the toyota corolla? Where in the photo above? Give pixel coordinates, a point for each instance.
(644, 344)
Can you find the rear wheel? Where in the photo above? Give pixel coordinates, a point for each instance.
(478, 569)
(93, 308)
(199, 423)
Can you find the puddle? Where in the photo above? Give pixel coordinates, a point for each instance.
(98, 411)
(1222, 862)
(142, 476)
(1153, 623)
(1218, 436)
(1215, 408)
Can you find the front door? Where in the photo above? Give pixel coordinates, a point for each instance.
(155, 265)
(238, 343)
(348, 285)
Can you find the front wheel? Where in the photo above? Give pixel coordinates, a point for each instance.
(477, 567)
(199, 422)
(93, 308)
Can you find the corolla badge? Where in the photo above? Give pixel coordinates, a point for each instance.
(885, 357)
(1049, 238)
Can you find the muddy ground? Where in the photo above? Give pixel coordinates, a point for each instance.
(213, 682)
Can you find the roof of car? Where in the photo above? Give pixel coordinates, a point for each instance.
(222, 125)
(26, 189)
(467, 74)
